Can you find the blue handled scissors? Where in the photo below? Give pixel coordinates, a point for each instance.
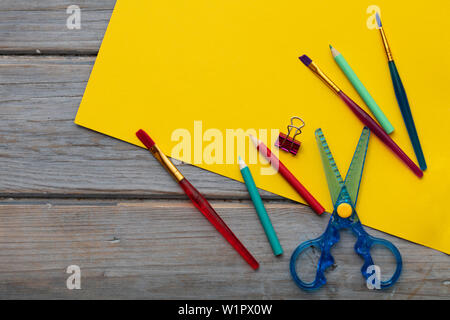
(343, 195)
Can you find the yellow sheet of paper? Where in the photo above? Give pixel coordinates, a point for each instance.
(234, 64)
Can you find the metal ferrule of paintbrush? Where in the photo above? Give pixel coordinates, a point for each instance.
(387, 48)
(159, 155)
(324, 77)
(386, 44)
(166, 163)
(198, 200)
(363, 116)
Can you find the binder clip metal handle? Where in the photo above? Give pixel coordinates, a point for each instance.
(287, 143)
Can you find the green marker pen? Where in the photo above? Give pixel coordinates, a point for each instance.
(362, 91)
(260, 210)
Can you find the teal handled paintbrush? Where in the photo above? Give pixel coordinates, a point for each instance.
(402, 99)
(260, 210)
(362, 91)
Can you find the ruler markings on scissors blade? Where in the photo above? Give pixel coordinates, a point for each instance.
(354, 173)
(334, 178)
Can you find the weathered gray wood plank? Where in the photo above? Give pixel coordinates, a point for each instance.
(161, 249)
(135, 249)
(43, 153)
(39, 26)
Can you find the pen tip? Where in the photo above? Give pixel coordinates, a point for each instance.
(254, 140)
(330, 46)
(334, 52)
(242, 163)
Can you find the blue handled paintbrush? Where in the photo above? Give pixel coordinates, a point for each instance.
(402, 100)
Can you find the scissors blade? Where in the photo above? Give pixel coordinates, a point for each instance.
(354, 173)
(334, 179)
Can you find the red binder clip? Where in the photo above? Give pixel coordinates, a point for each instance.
(287, 143)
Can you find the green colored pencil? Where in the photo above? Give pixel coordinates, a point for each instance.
(362, 91)
(260, 210)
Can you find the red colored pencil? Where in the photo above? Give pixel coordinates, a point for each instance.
(287, 175)
(197, 199)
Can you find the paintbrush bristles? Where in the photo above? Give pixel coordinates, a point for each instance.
(377, 16)
(145, 138)
(305, 59)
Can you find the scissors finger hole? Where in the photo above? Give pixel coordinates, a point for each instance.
(306, 264)
(385, 260)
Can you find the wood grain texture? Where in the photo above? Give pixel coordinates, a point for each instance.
(161, 249)
(39, 26)
(69, 196)
(43, 153)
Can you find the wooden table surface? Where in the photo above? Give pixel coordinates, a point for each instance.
(70, 196)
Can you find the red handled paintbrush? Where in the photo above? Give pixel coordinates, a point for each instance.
(365, 118)
(197, 199)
